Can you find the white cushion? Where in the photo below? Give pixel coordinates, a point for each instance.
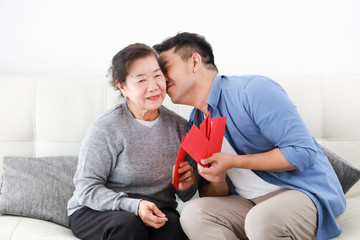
(20, 228)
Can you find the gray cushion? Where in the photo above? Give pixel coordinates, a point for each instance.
(38, 187)
(348, 175)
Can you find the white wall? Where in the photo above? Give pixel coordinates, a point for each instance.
(249, 37)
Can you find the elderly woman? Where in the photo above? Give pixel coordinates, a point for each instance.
(123, 180)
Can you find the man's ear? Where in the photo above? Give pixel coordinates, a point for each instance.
(196, 62)
(122, 89)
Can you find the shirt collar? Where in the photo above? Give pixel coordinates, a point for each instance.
(215, 91)
(196, 116)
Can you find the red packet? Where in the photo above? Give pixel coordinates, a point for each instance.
(179, 159)
(217, 135)
(195, 144)
(204, 142)
(205, 126)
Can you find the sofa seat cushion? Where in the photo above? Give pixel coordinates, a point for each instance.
(20, 228)
(349, 221)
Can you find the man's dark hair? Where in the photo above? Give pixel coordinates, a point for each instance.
(186, 44)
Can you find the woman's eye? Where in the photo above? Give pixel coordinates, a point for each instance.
(141, 80)
(158, 75)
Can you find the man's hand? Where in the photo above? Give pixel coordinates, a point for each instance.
(187, 176)
(218, 164)
(150, 215)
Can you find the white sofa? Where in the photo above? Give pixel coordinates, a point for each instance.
(48, 116)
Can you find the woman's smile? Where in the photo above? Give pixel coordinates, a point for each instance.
(153, 98)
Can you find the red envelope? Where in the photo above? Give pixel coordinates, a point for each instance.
(217, 135)
(204, 142)
(200, 143)
(195, 144)
(205, 126)
(179, 159)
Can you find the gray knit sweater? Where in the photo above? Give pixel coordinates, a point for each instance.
(121, 162)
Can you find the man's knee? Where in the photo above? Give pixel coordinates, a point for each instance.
(272, 225)
(187, 212)
(192, 214)
(258, 224)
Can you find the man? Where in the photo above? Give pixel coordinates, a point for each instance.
(271, 179)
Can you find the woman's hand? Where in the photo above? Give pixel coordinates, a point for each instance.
(187, 176)
(150, 214)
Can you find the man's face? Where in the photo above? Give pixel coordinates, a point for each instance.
(178, 75)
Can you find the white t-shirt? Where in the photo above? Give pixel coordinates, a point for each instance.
(148, 124)
(247, 184)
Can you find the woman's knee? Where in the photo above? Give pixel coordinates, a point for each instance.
(130, 227)
(171, 229)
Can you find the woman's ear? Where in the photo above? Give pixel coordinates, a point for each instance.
(121, 88)
(196, 61)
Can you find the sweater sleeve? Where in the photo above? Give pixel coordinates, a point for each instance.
(279, 121)
(97, 158)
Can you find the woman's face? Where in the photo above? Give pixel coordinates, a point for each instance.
(145, 88)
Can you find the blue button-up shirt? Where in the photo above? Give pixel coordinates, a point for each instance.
(261, 117)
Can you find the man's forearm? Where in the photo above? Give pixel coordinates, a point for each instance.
(272, 160)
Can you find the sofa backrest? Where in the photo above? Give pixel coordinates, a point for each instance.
(49, 115)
